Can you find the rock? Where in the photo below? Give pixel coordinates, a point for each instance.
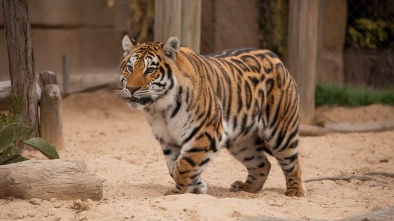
(35, 201)
(236, 214)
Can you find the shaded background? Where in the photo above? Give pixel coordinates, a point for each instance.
(355, 45)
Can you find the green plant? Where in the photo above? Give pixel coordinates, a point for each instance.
(368, 34)
(344, 95)
(273, 26)
(13, 131)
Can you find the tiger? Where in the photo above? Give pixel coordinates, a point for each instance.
(241, 99)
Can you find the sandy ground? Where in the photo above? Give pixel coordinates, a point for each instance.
(118, 145)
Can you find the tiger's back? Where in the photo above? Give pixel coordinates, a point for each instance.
(243, 99)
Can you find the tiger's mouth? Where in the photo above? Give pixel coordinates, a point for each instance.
(141, 101)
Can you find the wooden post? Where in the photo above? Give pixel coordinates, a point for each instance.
(180, 18)
(66, 74)
(167, 19)
(191, 24)
(21, 58)
(51, 122)
(302, 56)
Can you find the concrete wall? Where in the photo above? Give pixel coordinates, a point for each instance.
(85, 30)
(332, 23)
(229, 24)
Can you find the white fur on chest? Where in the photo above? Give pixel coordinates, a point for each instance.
(170, 130)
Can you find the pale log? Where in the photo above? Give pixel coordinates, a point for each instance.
(46, 179)
(6, 94)
(334, 127)
(51, 122)
(308, 130)
(360, 127)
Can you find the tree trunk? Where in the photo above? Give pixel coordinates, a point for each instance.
(21, 59)
(46, 179)
(302, 56)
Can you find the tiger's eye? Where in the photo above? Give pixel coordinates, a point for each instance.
(150, 70)
(129, 68)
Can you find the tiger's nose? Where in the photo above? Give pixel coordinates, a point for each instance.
(132, 89)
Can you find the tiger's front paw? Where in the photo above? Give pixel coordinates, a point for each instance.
(200, 188)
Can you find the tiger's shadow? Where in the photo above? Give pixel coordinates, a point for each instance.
(222, 192)
(153, 189)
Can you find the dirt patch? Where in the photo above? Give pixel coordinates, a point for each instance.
(118, 145)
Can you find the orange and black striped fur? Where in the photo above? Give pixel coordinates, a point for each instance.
(241, 99)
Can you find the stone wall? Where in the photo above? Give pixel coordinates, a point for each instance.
(368, 68)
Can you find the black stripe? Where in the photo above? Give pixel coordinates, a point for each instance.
(248, 158)
(204, 162)
(190, 161)
(194, 176)
(243, 123)
(289, 137)
(196, 149)
(178, 103)
(292, 158)
(183, 172)
(212, 147)
(289, 170)
(248, 95)
(254, 80)
(169, 73)
(254, 68)
(271, 54)
(195, 130)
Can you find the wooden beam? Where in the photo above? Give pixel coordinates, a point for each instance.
(302, 53)
(6, 94)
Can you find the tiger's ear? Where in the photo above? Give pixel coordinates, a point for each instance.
(128, 45)
(171, 47)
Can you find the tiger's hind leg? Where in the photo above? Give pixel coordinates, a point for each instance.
(250, 152)
(290, 163)
(292, 170)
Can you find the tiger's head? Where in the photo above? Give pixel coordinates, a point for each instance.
(147, 71)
